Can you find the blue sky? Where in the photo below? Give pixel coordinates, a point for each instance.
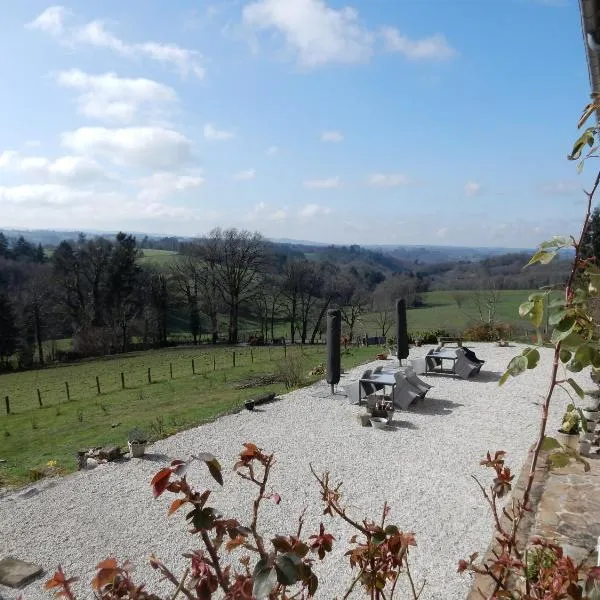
(360, 121)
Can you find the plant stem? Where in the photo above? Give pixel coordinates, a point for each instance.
(215, 560)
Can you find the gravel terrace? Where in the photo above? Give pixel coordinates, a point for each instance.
(422, 468)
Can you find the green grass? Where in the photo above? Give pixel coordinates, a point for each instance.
(32, 435)
(158, 258)
(440, 311)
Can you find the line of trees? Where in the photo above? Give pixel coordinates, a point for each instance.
(100, 294)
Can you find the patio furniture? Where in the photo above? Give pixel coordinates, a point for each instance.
(465, 367)
(403, 394)
(370, 382)
(448, 340)
(416, 381)
(401, 378)
(353, 392)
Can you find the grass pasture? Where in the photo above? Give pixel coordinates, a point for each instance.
(441, 311)
(157, 258)
(31, 435)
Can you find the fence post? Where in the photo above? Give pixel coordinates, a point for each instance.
(251, 356)
(193, 367)
(171, 370)
(98, 384)
(284, 350)
(39, 394)
(233, 356)
(122, 380)
(149, 375)
(214, 362)
(68, 391)
(270, 354)
(7, 400)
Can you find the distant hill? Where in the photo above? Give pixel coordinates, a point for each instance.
(404, 254)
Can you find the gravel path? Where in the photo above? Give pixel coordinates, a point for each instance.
(422, 468)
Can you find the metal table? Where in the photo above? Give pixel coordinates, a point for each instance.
(441, 355)
(381, 378)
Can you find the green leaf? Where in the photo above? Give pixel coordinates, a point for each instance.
(265, 579)
(517, 365)
(595, 358)
(214, 468)
(583, 354)
(576, 387)
(594, 285)
(526, 308)
(558, 460)
(549, 443)
(587, 137)
(203, 518)
(557, 316)
(504, 378)
(562, 330)
(565, 355)
(575, 366)
(379, 537)
(542, 257)
(533, 357)
(287, 568)
(392, 530)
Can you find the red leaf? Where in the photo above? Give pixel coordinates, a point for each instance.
(176, 504)
(160, 482)
(276, 498)
(109, 563)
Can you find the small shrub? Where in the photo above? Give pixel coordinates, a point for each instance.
(80, 416)
(34, 424)
(157, 427)
(429, 336)
(290, 372)
(487, 332)
(318, 370)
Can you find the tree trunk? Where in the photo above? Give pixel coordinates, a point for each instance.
(38, 333)
(233, 322)
(214, 322)
(293, 320)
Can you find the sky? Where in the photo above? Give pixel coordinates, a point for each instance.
(353, 121)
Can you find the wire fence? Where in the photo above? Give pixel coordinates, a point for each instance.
(28, 390)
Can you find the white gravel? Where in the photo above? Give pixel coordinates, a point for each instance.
(423, 469)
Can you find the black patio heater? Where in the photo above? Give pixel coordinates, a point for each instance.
(401, 330)
(334, 335)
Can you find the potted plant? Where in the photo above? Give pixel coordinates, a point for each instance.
(584, 447)
(383, 410)
(137, 440)
(573, 423)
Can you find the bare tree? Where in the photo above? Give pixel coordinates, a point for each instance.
(486, 304)
(237, 258)
(185, 277)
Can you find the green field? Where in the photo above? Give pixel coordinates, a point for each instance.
(158, 258)
(31, 435)
(440, 311)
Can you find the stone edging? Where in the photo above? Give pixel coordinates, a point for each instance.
(482, 586)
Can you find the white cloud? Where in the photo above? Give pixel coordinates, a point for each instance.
(472, 188)
(246, 175)
(434, 47)
(330, 183)
(33, 143)
(111, 97)
(264, 212)
(212, 134)
(312, 210)
(316, 33)
(272, 150)
(95, 34)
(332, 136)
(388, 180)
(66, 169)
(51, 20)
(42, 194)
(164, 184)
(441, 232)
(148, 147)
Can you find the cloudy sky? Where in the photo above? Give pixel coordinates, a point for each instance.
(352, 121)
